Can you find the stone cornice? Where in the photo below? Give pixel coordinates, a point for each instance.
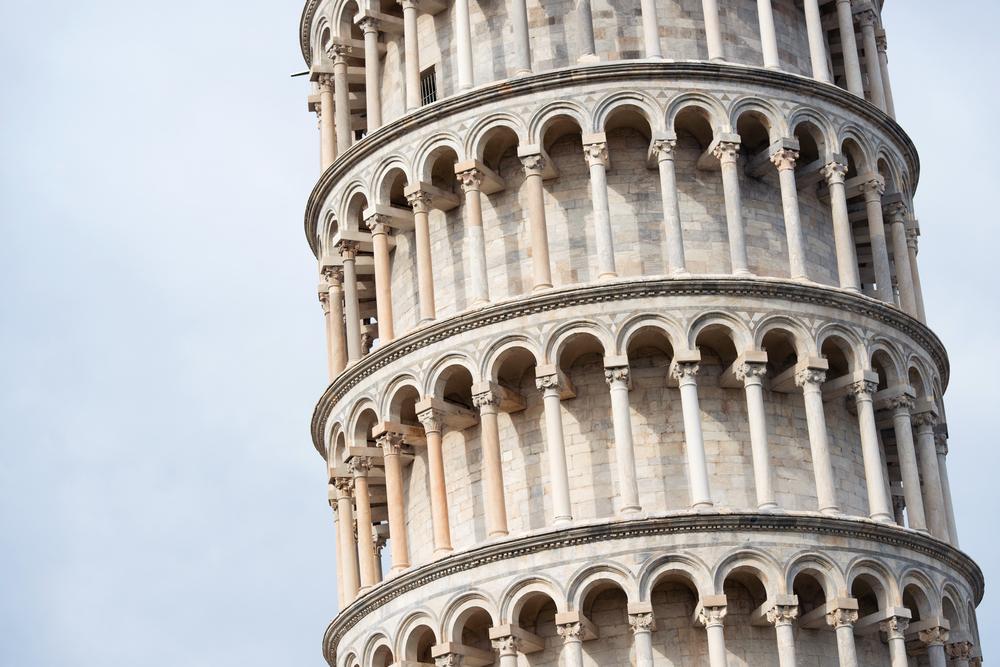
(305, 29)
(616, 71)
(814, 524)
(633, 288)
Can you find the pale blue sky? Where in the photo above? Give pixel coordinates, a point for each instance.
(162, 349)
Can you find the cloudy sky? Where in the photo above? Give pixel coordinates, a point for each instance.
(161, 347)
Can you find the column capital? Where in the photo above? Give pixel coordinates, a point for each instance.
(874, 188)
(420, 201)
(959, 650)
(325, 82)
(369, 23)
(571, 632)
(534, 164)
(642, 622)
(934, 636)
(390, 442)
(334, 276)
(782, 614)
(662, 147)
(431, 420)
(409, 4)
(614, 374)
(727, 150)
(713, 615)
(840, 618)
(863, 389)
(360, 465)
(348, 249)
(596, 153)
(912, 234)
(785, 158)
(486, 401)
(941, 444)
(897, 211)
(925, 419)
(324, 301)
(895, 627)
(867, 17)
(377, 223)
(345, 485)
(448, 660)
(810, 376)
(338, 53)
(471, 180)
(880, 41)
(834, 172)
(749, 371)
(902, 404)
(509, 645)
(684, 370)
(549, 381)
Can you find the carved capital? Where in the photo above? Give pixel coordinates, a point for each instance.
(834, 173)
(911, 239)
(894, 627)
(687, 370)
(901, 404)
(409, 4)
(360, 465)
(369, 24)
(868, 18)
(874, 188)
(334, 277)
(709, 616)
(486, 399)
(809, 376)
(959, 650)
(881, 43)
(863, 389)
(448, 660)
(431, 420)
(781, 614)
(616, 374)
(325, 82)
(936, 636)
(897, 212)
(570, 632)
(924, 420)
(751, 371)
(348, 249)
(840, 618)
(420, 201)
(533, 164)
(391, 443)
(941, 444)
(324, 302)
(471, 180)
(726, 152)
(508, 645)
(785, 159)
(663, 149)
(345, 485)
(548, 382)
(378, 224)
(596, 153)
(338, 52)
(642, 622)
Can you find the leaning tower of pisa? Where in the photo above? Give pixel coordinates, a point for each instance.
(628, 357)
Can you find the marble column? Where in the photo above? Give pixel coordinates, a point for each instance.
(534, 166)
(849, 45)
(768, 37)
(662, 149)
(341, 600)
(911, 249)
(894, 628)
(843, 621)
(811, 379)
(752, 375)
(360, 465)
(628, 487)
(934, 507)
(352, 309)
(391, 444)
(901, 258)
(942, 456)
(342, 106)
(934, 639)
(883, 61)
(869, 21)
(585, 27)
(874, 188)
(960, 653)
(550, 385)
(843, 235)
(784, 159)
(522, 38)
(817, 42)
(596, 154)
(572, 651)
(879, 505)
(471, 181)
(694, 444)
(335, 300)
(782, 617)
(463, 39)
(650, 29)
(421, 203)
(327, 131)
(712, 618)
(727, 152)
(379, 228)
(643, 625)
(713, 29)
(411, 53)
(439, 495)
(373, 73)
(488, 403)
(348, 545)
(910, 472)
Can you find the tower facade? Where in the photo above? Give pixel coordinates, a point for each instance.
(628, 358)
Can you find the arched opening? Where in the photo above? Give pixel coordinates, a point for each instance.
(916, 600)
(699, 193)
(674, 598)
(571, 233)
(382, 657)
(349, 34)
(815, 213)
(605, 603)
(536, 613)
(745, 594)
(858, 166)
(419, 644)
(472, 629)
(872, 597)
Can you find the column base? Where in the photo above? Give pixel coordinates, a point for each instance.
(883, 518)
(498, 534)
(562, 521)
(523, 72)
(768, 508)
(703, 506)
(830, 511)
(441, 553)
(395, 571)
(543, 286)
(631, 512)
(588, 59)
(681, 273)
(608, 276)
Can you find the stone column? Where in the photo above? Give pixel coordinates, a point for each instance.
(843, 621)
(895, 629)
(585, 21)
(934, 507)
(572, 651)
(874, 189)
(960, 654)
(373, 73)
(360, 465)
(911, 249)
(596, 154)
(643, 625)
(421, 203)
(784, 159)
(534, 165)
(617, 377)
(555, 446)
(327, 132)
(650, 29)
(663, 150)
(879, 505)
(342, 107)
(869, 20)
(352, 309)
(488, 403)
(411, 53)
(348, 545)
(934, 639)
(811, 379)
(439, 495)
(942, 455)
(694, 444)
(338, 342)
(768, 38)
(843, 235)
(712, 618)
(463, 37)
(324, 302)
(713, 31)
(522, 38)
(507, 649)
(901, 406)
(379, 227)
(391, 444)
(471, 181)
(883, 61)
(727, 152)
(901, 258)
(752, 375)
(332, 493)
(849, 44)
(782, 617)
(817, 42)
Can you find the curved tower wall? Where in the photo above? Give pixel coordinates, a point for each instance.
(627, 349)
